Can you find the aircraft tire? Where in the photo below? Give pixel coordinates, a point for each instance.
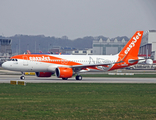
(64, 78)
(22, 77)
(78, 77)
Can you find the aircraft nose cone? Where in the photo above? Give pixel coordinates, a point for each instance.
(5, 65)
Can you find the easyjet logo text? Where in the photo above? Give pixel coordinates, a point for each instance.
(132, 44)
(43, 58)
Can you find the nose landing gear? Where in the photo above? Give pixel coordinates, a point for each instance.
(22, 77)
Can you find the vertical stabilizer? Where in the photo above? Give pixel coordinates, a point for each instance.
(133, 45)
(129, 54)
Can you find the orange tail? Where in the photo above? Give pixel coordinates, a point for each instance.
(40, 52)
(129, 54)
(28, 52)
(131, 49)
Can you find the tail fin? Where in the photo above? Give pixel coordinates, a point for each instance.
(28, 52)
(132, 47)
(40, 52)
(129, 54)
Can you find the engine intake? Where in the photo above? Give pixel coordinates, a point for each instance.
(149, 61)
(63, 72)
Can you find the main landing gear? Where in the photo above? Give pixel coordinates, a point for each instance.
(22, 77)
(78, 77)
(64, 78)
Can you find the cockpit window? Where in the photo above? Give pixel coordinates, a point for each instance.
(13, 60)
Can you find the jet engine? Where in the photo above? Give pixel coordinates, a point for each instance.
(63, 72)
(149, 61)
(44, 74)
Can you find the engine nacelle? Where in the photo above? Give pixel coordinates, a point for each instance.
(44, 74)
(63, 72)
(149, 61)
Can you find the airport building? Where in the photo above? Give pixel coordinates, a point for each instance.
(82, 52)
(5, 50)
(108, 47)
(69, 50)
(5, 46)
(148, 44)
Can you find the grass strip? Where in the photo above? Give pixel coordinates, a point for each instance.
(83, 101)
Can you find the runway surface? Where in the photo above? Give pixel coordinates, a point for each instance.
(53, 79)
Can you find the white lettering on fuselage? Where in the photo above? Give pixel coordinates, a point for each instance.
(132, 44)
(101, 61)
(43, 58)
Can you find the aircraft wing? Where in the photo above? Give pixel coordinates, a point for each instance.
(93, 65)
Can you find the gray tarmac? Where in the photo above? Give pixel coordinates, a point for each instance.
(53, 79)
(6, 76)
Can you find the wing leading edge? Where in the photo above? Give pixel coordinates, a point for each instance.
(93, 65)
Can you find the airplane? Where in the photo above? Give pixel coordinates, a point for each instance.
(40, 52)
(28, 52)
(65, 66)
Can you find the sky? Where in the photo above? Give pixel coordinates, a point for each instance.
(76, 18)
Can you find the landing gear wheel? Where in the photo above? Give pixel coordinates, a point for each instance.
(78, 77)
(22, 77)
(64, 78)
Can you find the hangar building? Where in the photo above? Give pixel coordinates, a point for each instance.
(148, 44)
(108, 47)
